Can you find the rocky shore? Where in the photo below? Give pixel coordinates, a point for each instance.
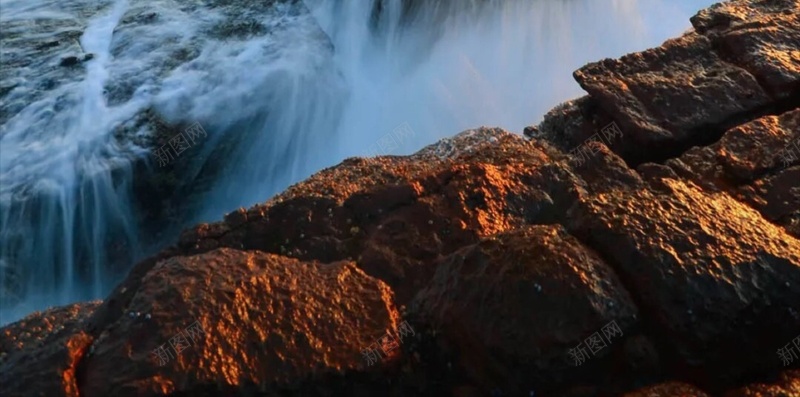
(643, 240)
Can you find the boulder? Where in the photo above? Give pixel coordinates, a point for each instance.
(752, 162)
(39, 355)
(716, 282)
(230, 319)
(495, 305)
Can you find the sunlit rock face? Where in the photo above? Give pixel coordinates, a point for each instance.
(786, 383)
(752, 163)
(276, 320)
(484, 263)
(497, 302)
(44, 350)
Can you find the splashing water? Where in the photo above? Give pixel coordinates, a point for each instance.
(283, 91)
(58, 201)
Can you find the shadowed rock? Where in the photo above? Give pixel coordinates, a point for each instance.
(39, 354)
(497, 303)
(786, 384)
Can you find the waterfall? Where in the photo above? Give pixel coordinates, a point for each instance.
(59, 203)
(282, 91)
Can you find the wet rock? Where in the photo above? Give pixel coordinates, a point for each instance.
(659, 119)
(507, 251)
(69, 61)
(44, 350)
(49, 44)
(705, 291)
(761, 37)
(497, 302)
(669, 389)
(751, 162)
(266, 320)
(787, 383)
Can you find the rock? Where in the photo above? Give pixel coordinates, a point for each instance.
(236, 218)
(660, 119)
(669, 389)
(250, 307)
(531, 131)
(787, 383)
(706, 292)
(501, 252)
(44, 350)
(749, 163)
(484, 301)
(396, 215)
(69, 61)
(768, 51)
(738, 64)
(49, 44)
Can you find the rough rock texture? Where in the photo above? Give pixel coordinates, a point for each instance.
(759, 36)
(44, 350)
(266, 321)
(750, 163)
(670, 389)
(715, 272)
(498, 302)
(660, 96)
(786, 384)
(502, 253)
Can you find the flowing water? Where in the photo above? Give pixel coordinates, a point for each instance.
(282, 91)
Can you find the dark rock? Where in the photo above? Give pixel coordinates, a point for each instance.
(236, 218)
(70, 61)
(705, 292)
(530, 131)
(659, 119)
(669, 389)
(750, 163)
(498, 302)
(761, 36)
(49, 44)
(44, 350)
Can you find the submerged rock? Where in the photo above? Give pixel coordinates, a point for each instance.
(110, 160)
(71, 60)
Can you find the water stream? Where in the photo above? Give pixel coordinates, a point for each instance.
(286, 90)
